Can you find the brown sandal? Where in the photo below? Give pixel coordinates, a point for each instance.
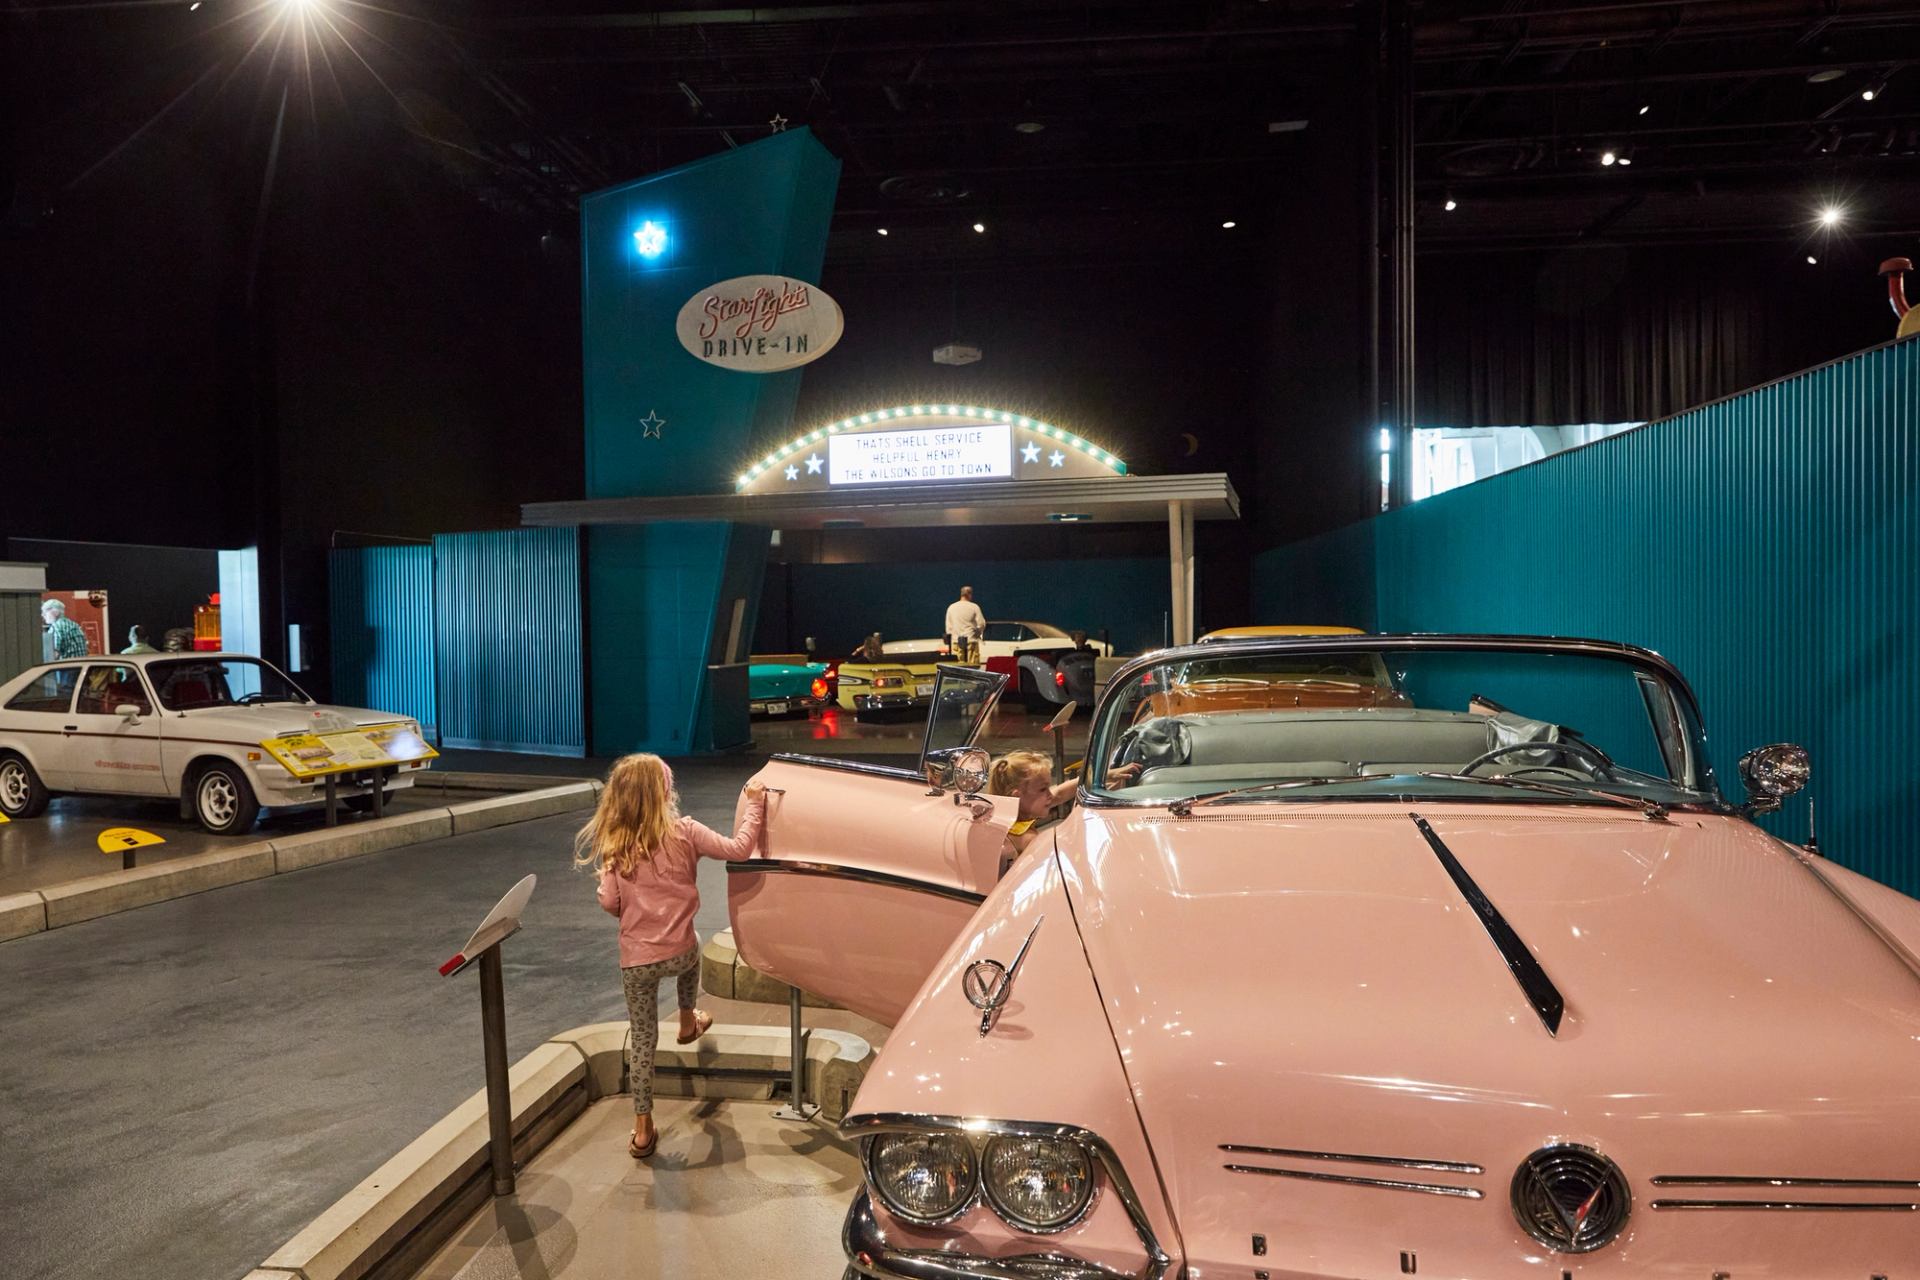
(639, 1152)
(704, 1023)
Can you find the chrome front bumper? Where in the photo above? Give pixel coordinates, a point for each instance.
(868, 1254)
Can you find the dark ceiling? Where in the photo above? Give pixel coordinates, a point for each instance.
(1065, 128)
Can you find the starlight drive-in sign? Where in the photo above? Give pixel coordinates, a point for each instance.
(759, 324)
(937, 453)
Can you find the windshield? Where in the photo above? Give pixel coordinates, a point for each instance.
(1342, 720)
(188, 684)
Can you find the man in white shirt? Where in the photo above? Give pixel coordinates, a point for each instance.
(965, 625)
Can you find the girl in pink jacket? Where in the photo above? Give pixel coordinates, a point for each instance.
(645, 852)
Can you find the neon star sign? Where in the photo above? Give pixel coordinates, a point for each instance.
(650, 240)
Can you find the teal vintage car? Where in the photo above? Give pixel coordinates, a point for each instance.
(778, 688)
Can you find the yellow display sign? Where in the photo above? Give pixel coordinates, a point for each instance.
(315, 755)
(121, 839)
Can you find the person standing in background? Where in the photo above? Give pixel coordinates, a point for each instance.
(137, 640)
(64, 638)
(965, 625)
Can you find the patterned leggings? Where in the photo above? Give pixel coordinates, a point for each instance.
(642, 985)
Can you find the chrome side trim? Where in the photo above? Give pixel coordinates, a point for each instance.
(790, 866)
(1790, 1206)
(1350, 1180)
(844, 765)
(1545, 998)
(900, 1121)
(1697, 1180)
(869, 1254)
(1395, 1162)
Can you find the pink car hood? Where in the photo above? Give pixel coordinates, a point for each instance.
(1308, 978)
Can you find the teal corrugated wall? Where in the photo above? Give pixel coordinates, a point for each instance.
(382, 629)
(507, 614)
(1767, 544)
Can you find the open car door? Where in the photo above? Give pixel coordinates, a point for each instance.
(867, 873)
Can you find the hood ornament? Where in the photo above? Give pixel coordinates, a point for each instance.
(987, 984)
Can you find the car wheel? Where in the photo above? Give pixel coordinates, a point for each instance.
(22, 794)
(1030, 692)
(223, 800)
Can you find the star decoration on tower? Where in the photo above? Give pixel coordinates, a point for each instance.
(813, 464)
(1056, 459)
(650, 425)
(778, 124)
(793, 472)
(1029, 452)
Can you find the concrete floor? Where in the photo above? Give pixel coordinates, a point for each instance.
(731, 1192)
(60, 846)
(184, 1086)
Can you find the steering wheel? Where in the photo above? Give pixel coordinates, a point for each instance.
(1154, 744)
(1596, 761)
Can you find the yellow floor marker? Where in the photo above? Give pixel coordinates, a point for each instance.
(124, 840)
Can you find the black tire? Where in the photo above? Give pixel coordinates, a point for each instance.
(364, 804)
(1030, 696)
(222, 799)
(22, 794)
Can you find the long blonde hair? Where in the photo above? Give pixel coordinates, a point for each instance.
(635, 815)
(1014, 768)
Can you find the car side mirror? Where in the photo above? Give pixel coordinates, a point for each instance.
(129, 712)
(962, 769)
(1771, 774)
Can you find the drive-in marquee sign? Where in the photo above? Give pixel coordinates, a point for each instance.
(759, 324)
(927, 444)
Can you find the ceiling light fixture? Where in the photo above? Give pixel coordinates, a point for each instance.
(1645, 107)
(1608, 157)
(1873, 90)
(1831, 215)
(1825, 75)
(1228, 225)
(1812, 261)
(1626, 159)
(980, 228)
(883, 231)
(1451, 203)
(1029, 126)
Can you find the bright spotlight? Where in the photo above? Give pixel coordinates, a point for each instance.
(980, 227)
(1812, 261)
(883, 231)
(1228, 225)
(1626, 160)
(1608, 157)
(1451, 204)
(650, 240)
(1645, 107)
(1831, 216)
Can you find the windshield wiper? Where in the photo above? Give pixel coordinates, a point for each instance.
(1181, 808)
(1651, 809)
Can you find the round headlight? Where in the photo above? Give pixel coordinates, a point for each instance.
(923, 1177)
(1038, 1184)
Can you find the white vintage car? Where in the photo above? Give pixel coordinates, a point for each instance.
(173, 724)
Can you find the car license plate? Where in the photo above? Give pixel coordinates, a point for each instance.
(923, 690)
(776, 708)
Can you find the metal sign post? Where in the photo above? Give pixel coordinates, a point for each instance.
(501, 923)
(1058, 728)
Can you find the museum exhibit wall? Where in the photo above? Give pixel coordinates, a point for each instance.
(1769, 544)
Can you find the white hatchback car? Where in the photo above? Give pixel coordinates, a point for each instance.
(171, 724)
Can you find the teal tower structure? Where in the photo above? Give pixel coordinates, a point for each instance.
(671, 602)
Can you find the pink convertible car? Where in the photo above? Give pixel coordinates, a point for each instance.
(1490, 982)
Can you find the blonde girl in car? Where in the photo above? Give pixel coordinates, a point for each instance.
(645, 852)
(1028, 775)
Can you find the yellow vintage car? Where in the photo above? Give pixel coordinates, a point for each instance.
(898, 683)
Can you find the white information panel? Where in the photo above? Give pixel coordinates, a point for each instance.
(906, 457)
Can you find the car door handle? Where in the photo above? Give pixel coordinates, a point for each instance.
(72, 728)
